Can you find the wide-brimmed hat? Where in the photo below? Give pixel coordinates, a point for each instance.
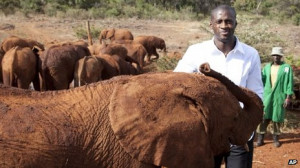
(277, 51)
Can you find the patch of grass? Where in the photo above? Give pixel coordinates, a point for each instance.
(166, 63)
(291, 122)
(255, 32)
(81, 32)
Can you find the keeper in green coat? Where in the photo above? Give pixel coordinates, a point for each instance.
(277, 78)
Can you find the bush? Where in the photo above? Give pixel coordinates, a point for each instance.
(296, 19)
(165, 63)
(95, 13)
(8, 7)
(245, 5)
(261, 39)
(32, 6)
(76, 14)
(81, 32)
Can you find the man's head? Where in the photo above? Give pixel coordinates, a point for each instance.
(277, 54)
(223, 22)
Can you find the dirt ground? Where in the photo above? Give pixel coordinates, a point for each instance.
(178, 36)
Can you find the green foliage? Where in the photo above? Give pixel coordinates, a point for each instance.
(296, 19)
(166, 63)
(245, 5)
(291, 122)
(81, 32)
(32, 6)
(278, 10)
(51, 9)
(149, 9)
(9, 6)
(262, 39)
(290, 59)
(76, 13)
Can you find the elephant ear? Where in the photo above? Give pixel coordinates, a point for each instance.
(110, 33)
(156, 119)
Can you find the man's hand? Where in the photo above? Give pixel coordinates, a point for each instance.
(287, 101)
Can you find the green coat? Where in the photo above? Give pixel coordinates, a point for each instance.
(273, 99)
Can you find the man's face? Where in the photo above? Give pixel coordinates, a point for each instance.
(277, 59)
(223, 23)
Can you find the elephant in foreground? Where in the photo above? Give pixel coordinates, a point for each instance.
(143, 121)
(1, 57)
(115, 34)
(19, 68)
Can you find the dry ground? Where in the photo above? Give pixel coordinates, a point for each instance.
(178, 35)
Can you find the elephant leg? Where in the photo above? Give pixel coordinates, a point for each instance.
(6, 78)
(76, 82)
(147, 58)
(59, 80)
(155, 54)
(22, 83)
(60, 85)
(36, 82)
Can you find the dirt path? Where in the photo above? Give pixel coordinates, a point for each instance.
(177, 35)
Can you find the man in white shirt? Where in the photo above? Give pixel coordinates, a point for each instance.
(235, 60)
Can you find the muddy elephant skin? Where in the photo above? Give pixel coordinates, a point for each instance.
(58, 64)
(19, 68)
(115, 34)
(162, 119)
(151, 43)
(14, 41)
(87, 70)
(135, 50)
(111, 68)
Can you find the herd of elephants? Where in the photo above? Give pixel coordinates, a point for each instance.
(120, 117)
(54, 66)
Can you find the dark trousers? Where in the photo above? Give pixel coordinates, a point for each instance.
(238, 157)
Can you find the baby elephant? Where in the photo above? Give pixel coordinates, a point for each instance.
(87, 70)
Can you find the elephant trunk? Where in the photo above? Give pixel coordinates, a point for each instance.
(100, 38)
(253, 106)
(234, 89)
(165, 48)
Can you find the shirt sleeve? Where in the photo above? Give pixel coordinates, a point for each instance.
(289, 89)
(254, 81)
(264, 76)
(187, 63)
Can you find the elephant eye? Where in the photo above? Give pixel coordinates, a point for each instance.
(193, 101)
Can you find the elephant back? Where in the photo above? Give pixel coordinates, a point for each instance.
(111, 67)
(58, 65)
(13, 41)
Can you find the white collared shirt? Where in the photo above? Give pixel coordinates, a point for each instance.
(242, 64)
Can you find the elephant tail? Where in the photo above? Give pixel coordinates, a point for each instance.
(242, 94)
(12, 79)
(81, 70)
(36, 80)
